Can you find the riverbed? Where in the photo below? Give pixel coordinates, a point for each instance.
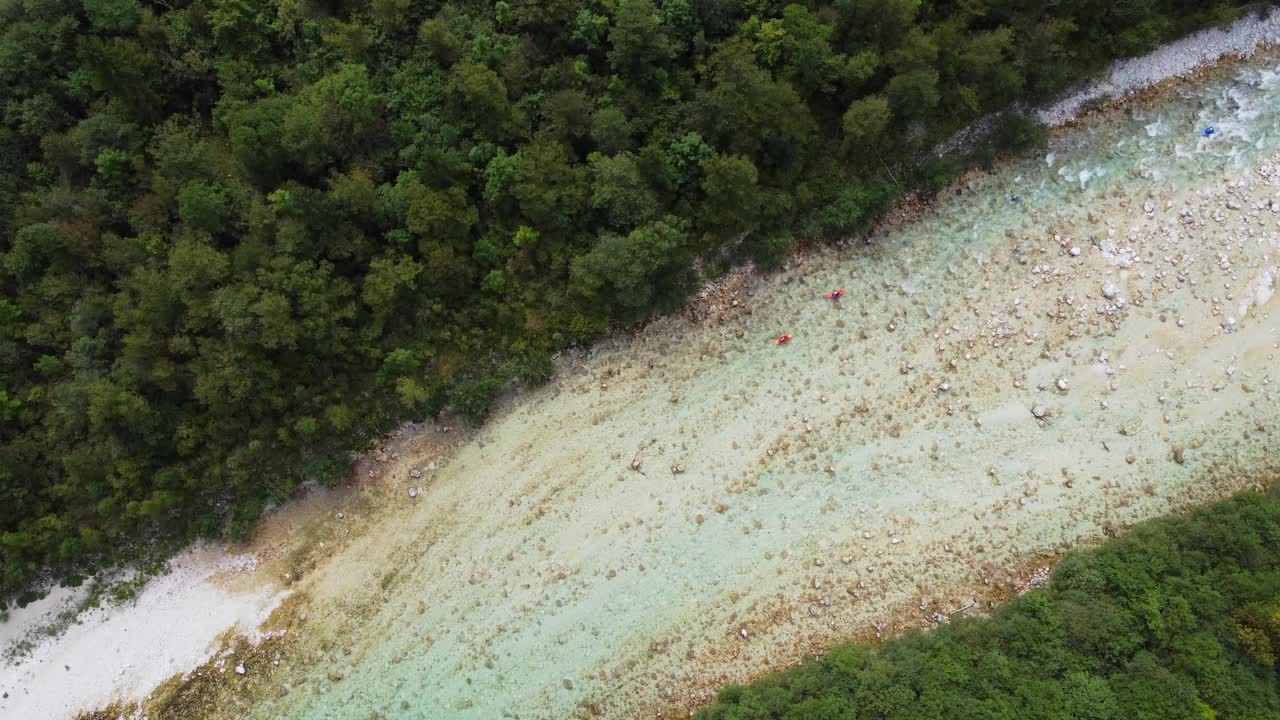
(1079, 341)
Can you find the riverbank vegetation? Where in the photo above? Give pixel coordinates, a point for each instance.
(1176, 620)
(241, 239)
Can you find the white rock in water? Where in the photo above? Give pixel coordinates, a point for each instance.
(413, 492)
(1075, 252)
(1062, 384)
(1039, 411)
(1110, 290)
(944, 386)
(415, 473)
(240, 669)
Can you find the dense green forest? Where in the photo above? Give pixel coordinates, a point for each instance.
(1177, 620)
(239, 239)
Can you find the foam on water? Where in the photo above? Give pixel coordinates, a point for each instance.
(891, 455)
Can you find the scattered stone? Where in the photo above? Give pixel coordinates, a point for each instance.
(240, 669)
(415, 473)
(1178, 456)
(335, 675)
(1062, 384)
(1130, 459)
(1039, 411)
(1110, 291)
(1075, 252)
(413, 492)
(567, 683)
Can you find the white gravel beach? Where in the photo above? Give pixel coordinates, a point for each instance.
(120, 653)
(1169, 61)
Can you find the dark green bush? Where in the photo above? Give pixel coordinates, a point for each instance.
(1019, 132)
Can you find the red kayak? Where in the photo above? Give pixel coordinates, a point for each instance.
(783, 340)
(835, 295)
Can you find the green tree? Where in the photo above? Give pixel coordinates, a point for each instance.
(876, 22)
(732, 195)
(440, 42)
(618, 188)
(590, 29)
(113, 16)
(240, 27)
(611, 130)
(751, 114)
(637, 39)
(120, 68)
(568, 115)
(204, 206)
(646, 267)
(865, 123)
(551, 191)
(331, 118)
(477, 98)
(391, 13)
(808, 60)
(914, 94)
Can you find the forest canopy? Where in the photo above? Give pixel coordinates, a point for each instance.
(1177, 620)
(240, 239)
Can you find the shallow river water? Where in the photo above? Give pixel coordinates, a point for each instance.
(1083, 339)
